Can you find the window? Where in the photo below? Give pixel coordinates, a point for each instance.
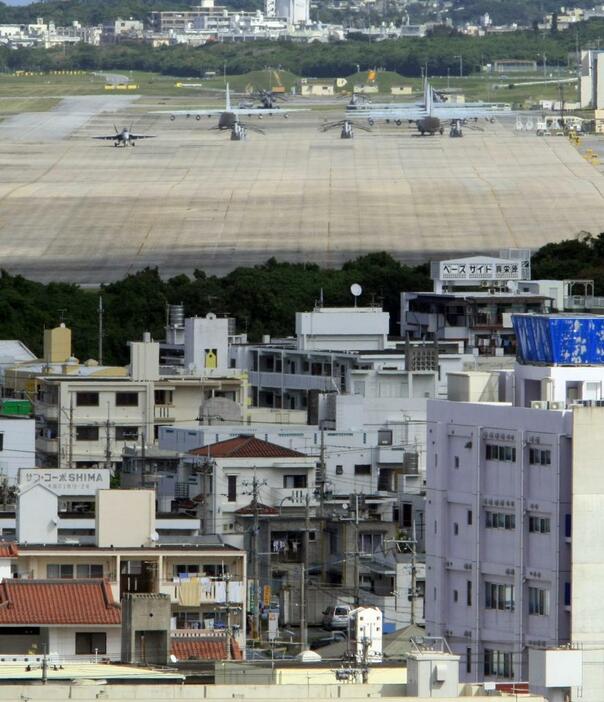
(567, 594)
(87, 433)
(294, 481)
(339, 470)
(62, 571)
(163, 397)
(455, 595)
(1, 442)
(470, 516)
(456, 461)
(384, 437)
(496, 452)
(407, 515)
(363, 469)
(469, 593)
(540, 457)
(232, 488)
(468, 660)
(89, 570)
(90, 642)
(498, 663)
(539, 525)
(369, 542)
(87, 399)
(568, 525)
(455, 528)
(126, 433)
(499, 597)
(538, 601)
(500, 520)
(126, 399)
(185, 569)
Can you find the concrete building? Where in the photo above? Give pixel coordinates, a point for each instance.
(514, 494)
(202, 577)
(86, 413)
(472, 303)
(17, 446)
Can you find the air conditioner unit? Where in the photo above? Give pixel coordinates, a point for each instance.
(538, 404)
(557, 405)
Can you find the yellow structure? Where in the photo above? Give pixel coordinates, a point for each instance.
(57, 344)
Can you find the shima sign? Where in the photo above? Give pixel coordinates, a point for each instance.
(65, 482)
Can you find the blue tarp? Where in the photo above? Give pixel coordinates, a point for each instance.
(560, 340)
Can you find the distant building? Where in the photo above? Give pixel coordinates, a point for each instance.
(514, 66)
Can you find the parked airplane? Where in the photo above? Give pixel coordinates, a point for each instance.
(433, 116)
(229, 116)
(125, 137)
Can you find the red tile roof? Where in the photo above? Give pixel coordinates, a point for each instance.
(200, 648)
(57, 602)
(246, 447)
(8, 550)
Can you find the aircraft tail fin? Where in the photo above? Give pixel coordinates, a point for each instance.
(428, 97)
(228, 98)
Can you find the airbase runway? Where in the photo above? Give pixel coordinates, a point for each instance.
(76, 209)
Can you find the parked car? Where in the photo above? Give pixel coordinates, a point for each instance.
(336, 617)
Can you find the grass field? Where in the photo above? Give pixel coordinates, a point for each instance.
(47, 88)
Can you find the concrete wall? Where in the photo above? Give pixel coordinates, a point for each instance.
(587, 629)
(125, 517)
(344, 329)
(44, 504)
(218, 693)
(61, 641)
(19, 447)
(206, 343)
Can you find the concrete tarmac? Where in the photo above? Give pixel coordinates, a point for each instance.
(76, 209)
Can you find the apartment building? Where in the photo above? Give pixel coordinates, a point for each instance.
(514, 498)
(203, 577)
(86, 413)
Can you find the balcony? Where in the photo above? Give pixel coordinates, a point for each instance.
(291, 381)
(286, 498)
(47, 445)
(164, 412)
(390, 455)
(582, 302)
(189, 593)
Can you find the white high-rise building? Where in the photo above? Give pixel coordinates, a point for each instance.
(515, 509)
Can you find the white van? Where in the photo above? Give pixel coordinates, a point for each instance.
(337, 617)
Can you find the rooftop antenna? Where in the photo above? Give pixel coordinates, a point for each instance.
(356, 291)
(321, 298)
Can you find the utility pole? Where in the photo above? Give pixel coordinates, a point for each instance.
(303, 627)
(321, 480)
(254, 557)
(303, 622)
(70, 430)
(100, 330)
(357, 589)
(143, 455)
(108, 440)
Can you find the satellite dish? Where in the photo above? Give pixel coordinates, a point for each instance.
(356, 290)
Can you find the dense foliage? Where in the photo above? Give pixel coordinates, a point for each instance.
(439, 52)
(263, 299)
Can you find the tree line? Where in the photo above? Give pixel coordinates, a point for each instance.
(438, 52)
(263, 299)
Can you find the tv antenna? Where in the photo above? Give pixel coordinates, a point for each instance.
(356, 291)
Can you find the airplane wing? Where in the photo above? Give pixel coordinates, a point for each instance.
(238, 111)
(142, 136)
(188, 113)
(113, 137)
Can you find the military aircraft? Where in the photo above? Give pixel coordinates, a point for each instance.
(229, 116)
(432, 117)
(347, 128)
(125, 137)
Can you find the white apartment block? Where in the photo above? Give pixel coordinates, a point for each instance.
(515, 497)
(87, 413)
